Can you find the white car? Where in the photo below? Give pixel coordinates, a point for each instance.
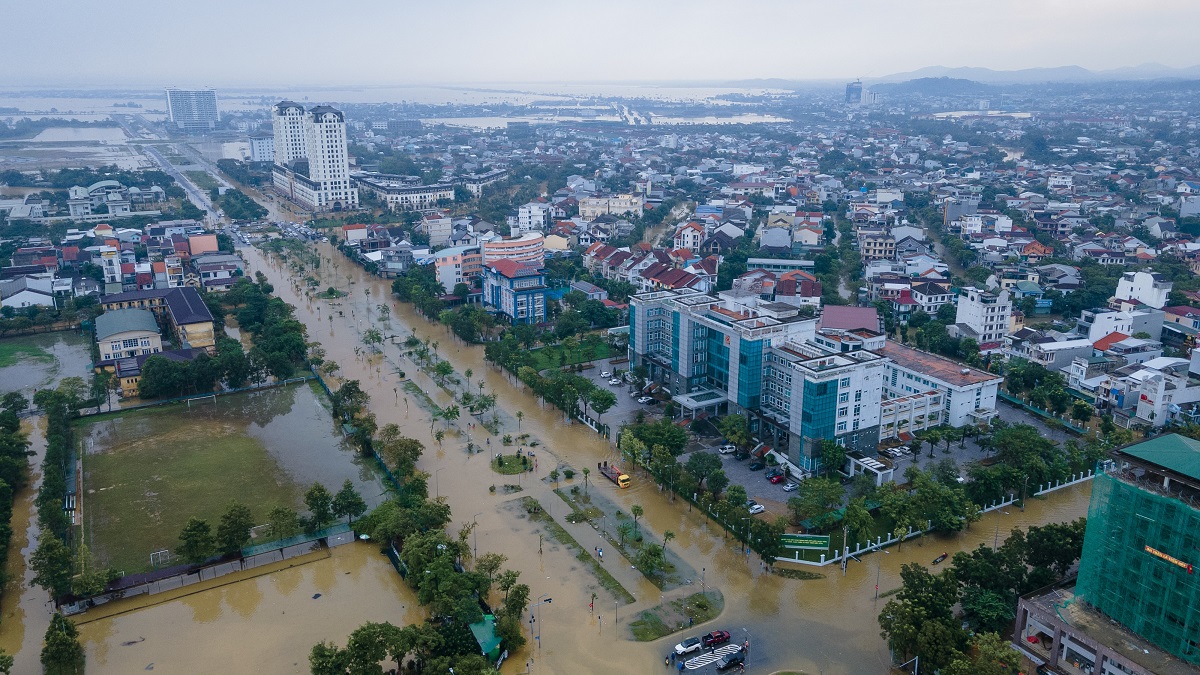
(757, 508)
(790, 487)
(645, 399)
(614, 382)
(727, 449)
(688, 646)
(606, 374)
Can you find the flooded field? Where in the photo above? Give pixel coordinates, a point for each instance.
(265, 624)
(35, 362)
(147, 471)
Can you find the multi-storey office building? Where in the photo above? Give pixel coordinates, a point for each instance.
(193, 110)
(798, 385)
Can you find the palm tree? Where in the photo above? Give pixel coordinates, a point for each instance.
(637, 512)
(520, 416)
(586, 471)
(468, 373)
(667, 537)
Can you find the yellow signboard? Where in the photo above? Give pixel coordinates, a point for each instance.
(1171, 559)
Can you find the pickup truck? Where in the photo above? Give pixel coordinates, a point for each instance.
(615, 475)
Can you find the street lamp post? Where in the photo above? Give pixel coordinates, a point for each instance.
(474, 533)
(703, 588)
(878, 570)
(996, 539)
(538, 605)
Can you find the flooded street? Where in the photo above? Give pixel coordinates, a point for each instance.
(268, 623)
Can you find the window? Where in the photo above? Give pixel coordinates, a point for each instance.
(843, 397)
(842, 412)
(841, 426)
(845, 382)
(857, 396)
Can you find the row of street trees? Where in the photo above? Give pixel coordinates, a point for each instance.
(984, 586)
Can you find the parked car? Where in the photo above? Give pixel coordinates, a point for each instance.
(727, 449)
(757, 508)
(790, 486)
(741, 456)
(717, 637)
(606, 373)
(757, 465)
(750, 502)
(688, 646)
(775, 479)
(774, 472)
(646, 399)
(614, 382)
(731, 660)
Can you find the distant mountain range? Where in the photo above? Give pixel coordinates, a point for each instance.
(1146, 71)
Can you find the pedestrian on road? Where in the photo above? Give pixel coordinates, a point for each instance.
(691, 621)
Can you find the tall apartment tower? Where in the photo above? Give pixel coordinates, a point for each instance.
(311, 162)
(193, 110)
(287, 121)
(328, 164)
(854, 92)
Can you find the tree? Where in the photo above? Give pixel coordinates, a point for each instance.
(442, 370)
(650, 559)
(625, 531)
(988, 654)
(233, 532)
(6, 663)
(735, 429)
(919, 621)
(702, 464)
(601, 400)
(637, 512)
(348, 503)
(520, 416)
(667, 537)
(833, 456)
(451, 413)
(196, 541)
(586, 471)
(717, 482)
(1081, 412)
(856, 520)
(467, 374)
(814, 499)
(52, 565)
(90, 578)
(283, 522)
(320, 506)
(61, 653)
(14, 402)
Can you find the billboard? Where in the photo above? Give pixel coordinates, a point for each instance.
(812, 542)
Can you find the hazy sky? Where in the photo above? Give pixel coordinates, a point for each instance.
(322, 42)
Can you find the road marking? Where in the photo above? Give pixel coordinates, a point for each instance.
(712, 657)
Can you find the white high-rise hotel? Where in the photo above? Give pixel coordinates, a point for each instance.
(311, 163)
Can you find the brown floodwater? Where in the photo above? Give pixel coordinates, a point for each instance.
(268, 623)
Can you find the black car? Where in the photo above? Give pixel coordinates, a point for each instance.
(756, 465)
(741, 456)
(731, 660)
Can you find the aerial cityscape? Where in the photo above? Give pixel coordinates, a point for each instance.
(784, 355)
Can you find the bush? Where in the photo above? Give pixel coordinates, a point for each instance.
(569, 473)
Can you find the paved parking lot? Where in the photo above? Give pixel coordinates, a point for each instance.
(626, 409)
(757, 487)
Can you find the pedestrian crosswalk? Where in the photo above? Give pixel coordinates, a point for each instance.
(710, 657)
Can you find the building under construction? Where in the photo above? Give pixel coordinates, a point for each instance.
(1135, 607)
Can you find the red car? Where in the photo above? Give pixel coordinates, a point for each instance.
(717, 637)
(777, 478)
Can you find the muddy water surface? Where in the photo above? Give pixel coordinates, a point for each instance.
(825, 626)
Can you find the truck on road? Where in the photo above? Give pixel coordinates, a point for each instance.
(614, 474)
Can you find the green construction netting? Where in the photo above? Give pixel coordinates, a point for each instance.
(1137, 563)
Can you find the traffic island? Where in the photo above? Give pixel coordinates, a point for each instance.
(677, 615)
